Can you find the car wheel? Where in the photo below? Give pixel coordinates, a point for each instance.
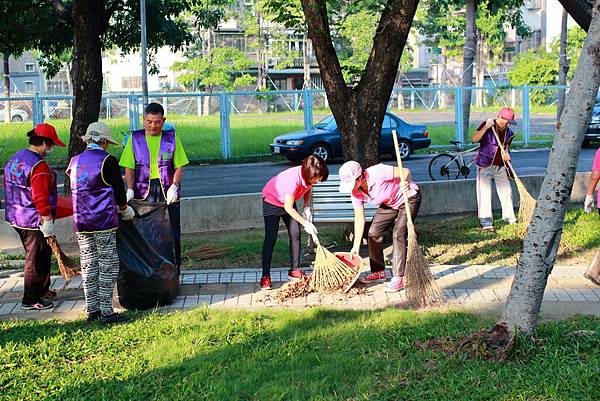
(405, 148)
(321, 150)
(17, 119)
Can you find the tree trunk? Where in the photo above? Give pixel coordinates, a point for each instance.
(543, 237)
(479, 72)
(359, 111)
(306, 63)
(443, 81)
(580, 10)
(6, 70)
(468, 58)
(563, 64)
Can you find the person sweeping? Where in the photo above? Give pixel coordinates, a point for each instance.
(490, 166)
(380, 185)
(279, 203)
(98, 196)
(30, 207)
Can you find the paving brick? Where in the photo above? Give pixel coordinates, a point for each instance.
(217, 300)
(475, 296)
(225, 278)
(550, 296)
(190, 301)
(575, 294)
(204, 300)
(489, 295)
(449, 294)
(178, 302)
(65, 306)
(461, 295)
(501, 293)
(589, 294)
(561, 294)
(8, 308)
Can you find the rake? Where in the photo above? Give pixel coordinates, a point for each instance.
(421, 288)
(329, 272)
(526, 201)
(68, 268)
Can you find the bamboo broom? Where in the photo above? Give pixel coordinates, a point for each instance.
(329, 272)
(68, 268)
(526, 201)
(421, 288)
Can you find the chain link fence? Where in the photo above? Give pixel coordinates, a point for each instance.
(240, 126)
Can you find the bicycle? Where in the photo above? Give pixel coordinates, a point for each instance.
(450, 167)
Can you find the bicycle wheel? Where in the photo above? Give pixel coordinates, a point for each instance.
(444, 167)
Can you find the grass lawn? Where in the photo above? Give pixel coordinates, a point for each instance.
(315, 354)
(453, 241)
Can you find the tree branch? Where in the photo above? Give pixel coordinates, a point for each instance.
(108, 13)
(580, 10)
(64, 12)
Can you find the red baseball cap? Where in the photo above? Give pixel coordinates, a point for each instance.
(48, 131)
(508, 114)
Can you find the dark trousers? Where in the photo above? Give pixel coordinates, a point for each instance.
(156, 195)
(272, 214)
(37, 265)
(385, 216)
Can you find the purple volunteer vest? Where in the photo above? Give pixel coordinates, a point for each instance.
(166, 169)
(94, 206)
(489, 146)
(20, 209)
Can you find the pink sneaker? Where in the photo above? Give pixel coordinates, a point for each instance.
(296, 274)
(374, 277)
(265, 283)
(396, 284)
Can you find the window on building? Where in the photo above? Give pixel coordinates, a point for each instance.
(278, 84)
(29, 86)
(163, 81)
(58, 87)
(29, 67)
(131, 82)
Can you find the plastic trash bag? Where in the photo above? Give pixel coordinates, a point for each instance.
(148, 275)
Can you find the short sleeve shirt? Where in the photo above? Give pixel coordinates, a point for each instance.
(128, 158)
(384, 188)
(287, 183)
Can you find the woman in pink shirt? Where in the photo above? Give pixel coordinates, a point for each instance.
(279, 202)
(380, 185)
(588, 204)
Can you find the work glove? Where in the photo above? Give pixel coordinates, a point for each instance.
(130, 195)
(307, 214)
(127, 213)
(172, 194)
(47, 228)
(489, 123)
(588, 204)
(310, 228)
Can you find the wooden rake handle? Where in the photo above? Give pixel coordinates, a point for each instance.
(503, 152)
(409, 221)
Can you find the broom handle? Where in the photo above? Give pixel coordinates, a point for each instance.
(503, 152)
(409, 221)
(316, 240)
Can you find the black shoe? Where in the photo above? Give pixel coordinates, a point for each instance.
(41, 305)
(113, 318)
(93, 317)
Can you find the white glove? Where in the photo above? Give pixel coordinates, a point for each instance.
(128, 213)
(310, 228)
(489, 123)
(307, 214)
(47, 228)
(130, 195)
(172, 194)
(588, 204)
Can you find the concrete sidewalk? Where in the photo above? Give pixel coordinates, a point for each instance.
(475, 288)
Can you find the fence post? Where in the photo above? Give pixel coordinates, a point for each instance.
(308, 109)
(199, 106)
(134, 116)
(458, 114)
(108, 109)
(225, 126)
(412, 100)
(526, 115)
(38, 113)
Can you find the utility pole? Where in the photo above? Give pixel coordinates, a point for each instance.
(144, 53)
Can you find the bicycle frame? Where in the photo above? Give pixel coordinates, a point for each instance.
(461, 160)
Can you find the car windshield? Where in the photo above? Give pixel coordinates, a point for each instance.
(326, 123)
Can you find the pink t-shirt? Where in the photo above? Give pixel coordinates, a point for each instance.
(596, 167)
(288, 182)
(383, 188)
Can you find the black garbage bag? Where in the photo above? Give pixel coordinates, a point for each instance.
(148, 275)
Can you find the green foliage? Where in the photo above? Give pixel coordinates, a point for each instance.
(535, 68)
(223, 67)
